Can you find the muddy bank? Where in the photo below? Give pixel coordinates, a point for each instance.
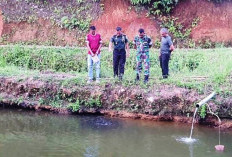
(159, 103)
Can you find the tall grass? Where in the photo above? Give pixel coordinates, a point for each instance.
(189, 68)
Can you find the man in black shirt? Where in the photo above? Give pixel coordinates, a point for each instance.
(121, 44)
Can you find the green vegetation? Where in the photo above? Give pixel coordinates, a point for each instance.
(90, 103)
(157, 7)
(64, 70)
(93, 102)
(75, 14)
(73, 23)
(181, 34)
(198, 69)
(203, 111)
(74, 107)
(163, 7)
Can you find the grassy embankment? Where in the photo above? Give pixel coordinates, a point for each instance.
(188, 68)
(203, 70)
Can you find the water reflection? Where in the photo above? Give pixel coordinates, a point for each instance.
(190, 142)
(99, 123)
(91, 151)
(48, 135)
(191, 149)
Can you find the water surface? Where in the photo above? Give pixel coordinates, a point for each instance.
(31, 134)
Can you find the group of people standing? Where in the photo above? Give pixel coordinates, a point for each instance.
(119, 44)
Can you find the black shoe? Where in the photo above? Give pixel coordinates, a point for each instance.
(146, 78)
(120, 77)
(137, 78)
(165, 76)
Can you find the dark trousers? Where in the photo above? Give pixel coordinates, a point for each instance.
(164, 60)
(119, 60)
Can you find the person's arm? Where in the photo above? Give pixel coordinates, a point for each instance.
(111, 44)
(172, 48)
(135, 47)
(160, 53)
(171, 45)
(98, 50)
(149, 42)
(92, 54)
(160, 49)
(127, 47)
(88, 47)
(134, 42)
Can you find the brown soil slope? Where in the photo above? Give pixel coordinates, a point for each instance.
(215, 24)
(40, 32)
(117, 14)
(215, 19)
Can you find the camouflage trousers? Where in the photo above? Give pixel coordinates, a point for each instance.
(142, 57)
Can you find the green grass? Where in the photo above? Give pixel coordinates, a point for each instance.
(204, 70)
(17, 71)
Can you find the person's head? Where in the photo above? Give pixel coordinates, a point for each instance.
(164, 32)
(92, 30)
(141, 32)
(119, 30)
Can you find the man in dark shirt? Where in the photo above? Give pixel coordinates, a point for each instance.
(165, 52)
(121, 44)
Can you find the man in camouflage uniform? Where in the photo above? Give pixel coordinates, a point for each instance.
(142, 44)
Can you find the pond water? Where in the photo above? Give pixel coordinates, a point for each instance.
(33, 134)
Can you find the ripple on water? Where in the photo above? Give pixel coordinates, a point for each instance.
(186, 140)
(99, 123)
